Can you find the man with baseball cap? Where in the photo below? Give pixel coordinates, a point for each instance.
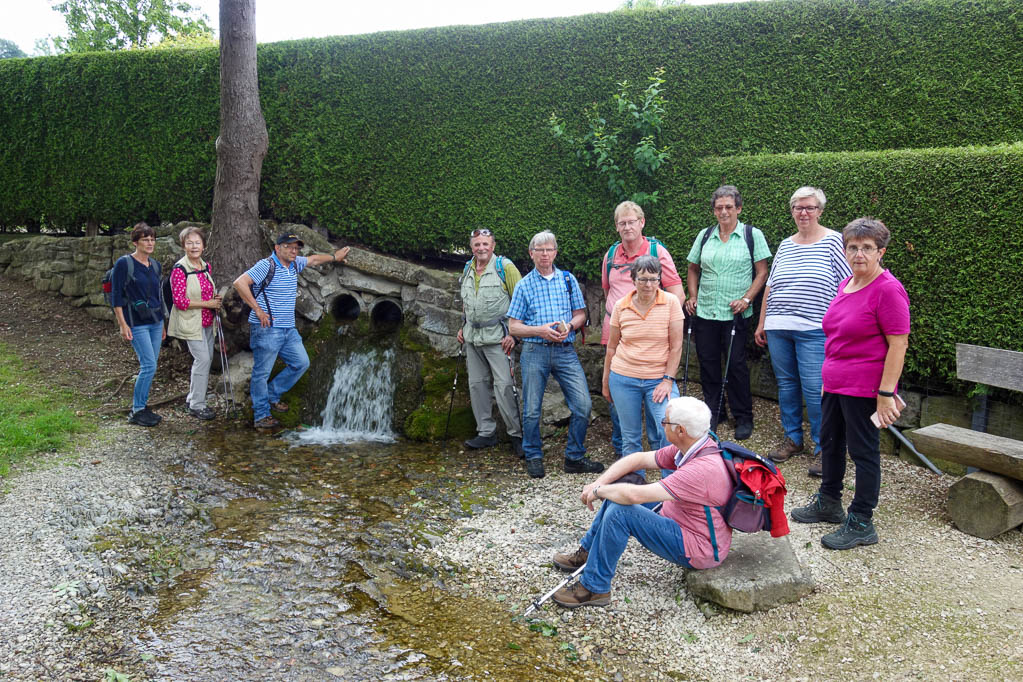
(272, 330)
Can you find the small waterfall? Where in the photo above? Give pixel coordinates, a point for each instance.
(360, 401)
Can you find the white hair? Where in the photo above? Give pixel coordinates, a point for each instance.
(690, 413)
(545, 237)
(807, 191)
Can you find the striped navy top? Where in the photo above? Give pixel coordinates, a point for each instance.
(281, 291)
(803, 280)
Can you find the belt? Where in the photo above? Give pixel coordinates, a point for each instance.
(552, 343)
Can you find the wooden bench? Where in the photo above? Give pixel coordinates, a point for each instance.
(988, 502)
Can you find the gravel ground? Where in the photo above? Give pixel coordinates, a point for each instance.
(926, 602)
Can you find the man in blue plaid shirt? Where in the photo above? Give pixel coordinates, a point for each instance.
(546, 310)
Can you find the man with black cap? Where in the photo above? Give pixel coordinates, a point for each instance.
(272, 330)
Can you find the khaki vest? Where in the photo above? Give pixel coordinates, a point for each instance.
(187, 324)
(484, 306)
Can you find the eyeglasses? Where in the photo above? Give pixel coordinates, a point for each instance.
(728, 207)
(647, 280)
(665, 422)
(865, 250)
(544, 249)
(804, 209)
(628, 223)
(483, 232)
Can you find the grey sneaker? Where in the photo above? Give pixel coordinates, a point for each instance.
(855, 531)
(570, 562)
(819, 509)
(816, 467)
(785, 450)
(480, 442)
(205, 413)
(583, 465)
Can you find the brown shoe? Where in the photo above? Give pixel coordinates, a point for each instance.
(268, 422)
(279, 406)
(570, 562)
(816, 468)
(575, 596)
(785, 450)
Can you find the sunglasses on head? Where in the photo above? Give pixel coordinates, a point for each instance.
(483, 232)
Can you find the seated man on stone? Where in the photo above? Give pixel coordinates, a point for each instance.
(689, 530)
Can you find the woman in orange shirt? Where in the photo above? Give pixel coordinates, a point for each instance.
(642, 356)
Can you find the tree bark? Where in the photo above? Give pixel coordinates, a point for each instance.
(235, 239)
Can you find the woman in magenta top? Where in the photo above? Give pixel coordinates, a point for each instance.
(867, 333)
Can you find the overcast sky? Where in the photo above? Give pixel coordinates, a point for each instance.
(23, 21)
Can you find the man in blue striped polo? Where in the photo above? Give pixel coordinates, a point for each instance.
(546, 310)
(272, 330)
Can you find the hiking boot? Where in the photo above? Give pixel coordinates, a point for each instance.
(570, 562)
(819, 509)
(785, 450)
(816, 467)
(143, 418)
(534, 467)
(267, 422)
(152, 415)
(583, 465)
(855, 531)
(205, 413)
(743, 429)
(516, 443)
(575, 596)
(480, 442)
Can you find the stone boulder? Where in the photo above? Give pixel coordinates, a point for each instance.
(760, 573)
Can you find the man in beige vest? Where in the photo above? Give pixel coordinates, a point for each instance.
(487, 284)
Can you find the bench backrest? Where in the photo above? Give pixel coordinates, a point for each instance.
(991, 366)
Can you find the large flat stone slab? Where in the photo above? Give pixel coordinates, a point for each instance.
(760, 573)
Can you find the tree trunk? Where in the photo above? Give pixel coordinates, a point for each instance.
(91, 227)
(235, 239)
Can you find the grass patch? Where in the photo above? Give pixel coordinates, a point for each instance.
(34, 418)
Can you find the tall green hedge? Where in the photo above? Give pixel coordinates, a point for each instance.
(402, 140)
(957, 242)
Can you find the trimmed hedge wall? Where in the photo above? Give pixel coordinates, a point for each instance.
(403, 140)
(957, 237)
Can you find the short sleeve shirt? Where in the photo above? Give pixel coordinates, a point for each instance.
(280, 292)
(619, 283)
(642, 351)
(725, 270)
(697, 488)
(540, 300)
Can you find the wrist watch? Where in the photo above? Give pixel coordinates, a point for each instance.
(594, 491)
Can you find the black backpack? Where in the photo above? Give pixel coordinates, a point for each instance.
(167, 294)
(748, 236)
(261, 289)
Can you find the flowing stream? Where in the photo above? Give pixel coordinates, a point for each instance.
(359, 403)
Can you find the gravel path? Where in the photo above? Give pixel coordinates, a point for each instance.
(927, 602)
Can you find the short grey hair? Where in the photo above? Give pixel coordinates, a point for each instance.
(867, 228)
(544, 237)
(807, 191)
(690, 413)
(726, 191)
(645, 264)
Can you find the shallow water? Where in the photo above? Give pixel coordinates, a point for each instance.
(310, 575)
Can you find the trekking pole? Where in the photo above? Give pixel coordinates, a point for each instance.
(515, 388)
(728, 361)
(539, 601)
(453, 387)
(898, 434)
(225, 368)
(689, 344)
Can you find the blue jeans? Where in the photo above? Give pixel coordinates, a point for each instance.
(538, 362)
(797, 358)
(610, 531)
(616, 427)
(267, 344)
(146, 340)
(632, 398)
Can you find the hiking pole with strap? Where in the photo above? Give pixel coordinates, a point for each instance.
(689, 345)
(539, 601)
(454, 385)
(225, 368)
(728, 362)
(515, 388)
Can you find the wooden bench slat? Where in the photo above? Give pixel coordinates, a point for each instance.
(991, 366)
(973, 448)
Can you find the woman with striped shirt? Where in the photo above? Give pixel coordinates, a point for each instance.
(807, 269)
(642, 355)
